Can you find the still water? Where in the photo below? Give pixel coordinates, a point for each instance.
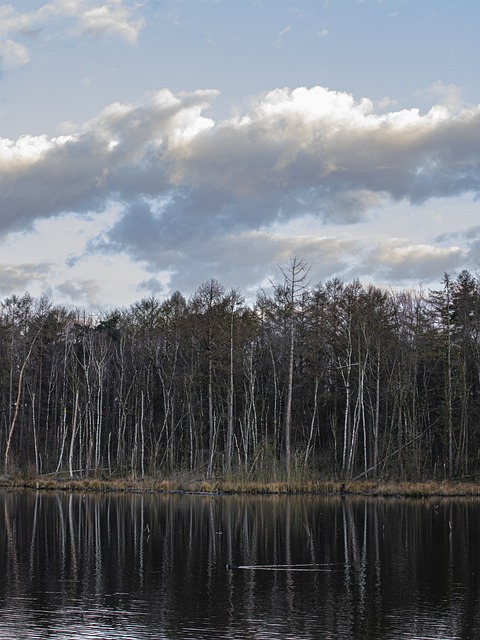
(138, 567)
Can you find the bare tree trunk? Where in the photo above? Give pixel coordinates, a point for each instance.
(211, 419)
(376, 424)
(74, 434)
(345, 371)
(142, 438)
(295, 277)
(288, 411)
(312, 424)
(231, 391)
(17, 403)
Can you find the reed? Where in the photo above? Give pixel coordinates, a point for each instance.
(240, 484)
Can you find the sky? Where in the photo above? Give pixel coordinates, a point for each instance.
(148, 146)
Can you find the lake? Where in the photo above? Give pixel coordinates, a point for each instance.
(144, 566)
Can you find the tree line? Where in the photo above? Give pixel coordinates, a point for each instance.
(337, 380)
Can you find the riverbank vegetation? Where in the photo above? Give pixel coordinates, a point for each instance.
(330, 383)
(365, 488)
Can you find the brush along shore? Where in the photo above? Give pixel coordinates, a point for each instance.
(446, 488)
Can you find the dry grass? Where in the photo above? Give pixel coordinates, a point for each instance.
(415, 489)
(245, 486)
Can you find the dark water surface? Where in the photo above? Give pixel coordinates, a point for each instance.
(154, 566)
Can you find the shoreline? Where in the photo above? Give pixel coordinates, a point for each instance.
(367, 488)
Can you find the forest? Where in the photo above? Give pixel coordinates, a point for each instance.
(335, 381)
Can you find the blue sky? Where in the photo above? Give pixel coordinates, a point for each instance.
(150, 146)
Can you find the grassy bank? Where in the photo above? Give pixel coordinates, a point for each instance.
(215, 487)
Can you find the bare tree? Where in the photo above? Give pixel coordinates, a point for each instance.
(295, 275)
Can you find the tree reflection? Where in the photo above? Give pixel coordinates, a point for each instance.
(157, 564)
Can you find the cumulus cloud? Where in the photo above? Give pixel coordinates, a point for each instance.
(189, 186)
(328, 143)
(89, 17)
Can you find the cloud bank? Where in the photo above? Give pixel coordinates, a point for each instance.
(192, 191)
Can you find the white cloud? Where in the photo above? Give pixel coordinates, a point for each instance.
(193, 192)
(387, 103)
(13, 54)
(285, 30)
(112, 17)
(89, 17)
(306, 149)
(54, 258)
(294, 152)
(18, 278)
(450, 95)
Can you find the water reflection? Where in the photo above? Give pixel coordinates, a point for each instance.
(154, 566)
